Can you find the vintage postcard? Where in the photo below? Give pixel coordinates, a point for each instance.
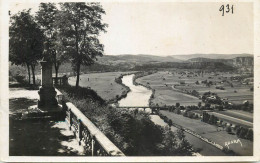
(135, 81)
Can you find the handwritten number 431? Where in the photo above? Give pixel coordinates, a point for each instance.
(228, 8)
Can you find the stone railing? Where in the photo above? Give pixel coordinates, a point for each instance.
(88, 135)
(60, 80)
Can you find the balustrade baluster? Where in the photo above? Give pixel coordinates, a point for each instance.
(80, 129)
(95, 146)
(70, 118)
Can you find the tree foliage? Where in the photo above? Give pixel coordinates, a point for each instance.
(47, 18)
(26, 41)
(80, 25)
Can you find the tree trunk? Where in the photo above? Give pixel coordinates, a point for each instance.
(78, 71)
(29, 73)
(56, 66)
(78, 57)
(33, 68)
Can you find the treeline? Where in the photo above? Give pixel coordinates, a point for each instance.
(186, 65)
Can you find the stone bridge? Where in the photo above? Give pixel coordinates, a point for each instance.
(154, 110)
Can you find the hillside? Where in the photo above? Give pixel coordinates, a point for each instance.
(210, 56)
(135, 59)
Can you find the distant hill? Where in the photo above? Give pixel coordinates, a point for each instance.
(210, 56)
(136, 59)
(130, 62)
(145, 58)
(127, 62)
(247, 61)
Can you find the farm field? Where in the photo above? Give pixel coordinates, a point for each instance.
(103, 83)
(166, 83)
(170, 97)
(239, 114)
(246, 116)
(211, 132)
(232, 119)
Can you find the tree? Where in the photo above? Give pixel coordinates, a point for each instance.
(195, 93)
(177, 105)
(211, 119)
(207, 105)
(250, 134)
(238, 130)
(228, 129)
(184, 148)
(243, 132)
(26, 41)
(80, 24)
(47, 18)
(199, 104)
(169, 142)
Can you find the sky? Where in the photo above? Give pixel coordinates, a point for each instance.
(174, 28)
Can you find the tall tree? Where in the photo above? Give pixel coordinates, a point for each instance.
(26, 41)
(80, 25)
(184, 148)
(47, 18)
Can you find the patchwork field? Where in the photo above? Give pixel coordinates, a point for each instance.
(211, 132)
(103, 83)
(168, 84)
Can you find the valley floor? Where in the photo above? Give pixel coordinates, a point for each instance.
(170, 85)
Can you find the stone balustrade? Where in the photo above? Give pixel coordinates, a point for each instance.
(88, 135)
(60, 80)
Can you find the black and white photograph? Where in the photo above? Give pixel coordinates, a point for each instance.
(130, 79)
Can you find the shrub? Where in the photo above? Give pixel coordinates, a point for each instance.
(228, 129)
(177, 111)
(242, 132)
(249, 135)
(170, 122)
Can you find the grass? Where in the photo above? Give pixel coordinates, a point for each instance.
(104, 84)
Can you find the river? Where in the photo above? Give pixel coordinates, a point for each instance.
(139, 96)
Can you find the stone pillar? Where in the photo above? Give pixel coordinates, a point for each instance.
(47, 92)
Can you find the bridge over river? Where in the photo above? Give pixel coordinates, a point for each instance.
(152, 110)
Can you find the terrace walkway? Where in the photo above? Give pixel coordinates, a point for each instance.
(38, 138)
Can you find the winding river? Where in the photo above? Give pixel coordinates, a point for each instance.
(139, 96)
